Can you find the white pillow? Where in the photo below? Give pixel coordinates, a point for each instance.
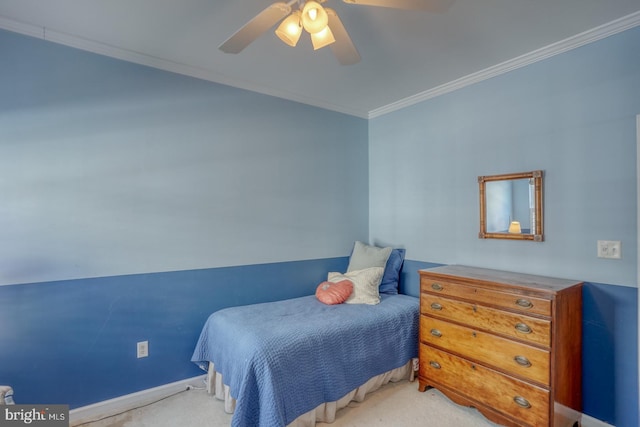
(365, 284)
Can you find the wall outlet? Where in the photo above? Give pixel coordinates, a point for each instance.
(609, 249)
(143, 349)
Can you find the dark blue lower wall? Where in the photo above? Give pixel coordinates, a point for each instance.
(609, 347)
(74, 342)
(610, 353)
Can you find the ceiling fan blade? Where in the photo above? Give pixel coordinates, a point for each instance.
(343, 48)
(255, 28)
(429, 5)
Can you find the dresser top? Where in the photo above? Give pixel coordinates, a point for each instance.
(504, 277)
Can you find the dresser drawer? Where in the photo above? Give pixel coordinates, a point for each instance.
(522, 327)
(506, 394)
(513, 357)
(511, 301)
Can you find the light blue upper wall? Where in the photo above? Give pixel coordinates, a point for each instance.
(110, 168)
(572, 115)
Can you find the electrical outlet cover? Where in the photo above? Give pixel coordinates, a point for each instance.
(143, 349)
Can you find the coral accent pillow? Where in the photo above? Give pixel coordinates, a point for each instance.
(334, 293)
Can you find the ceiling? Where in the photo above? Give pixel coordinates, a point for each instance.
(407, 56)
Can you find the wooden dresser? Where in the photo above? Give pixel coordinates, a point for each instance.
(508, 344)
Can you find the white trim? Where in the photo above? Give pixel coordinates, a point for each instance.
(562, 46)
(163, 64)
(588, 421)
(22, 28)
(121, 404)
(131, 401)
(638, 236)
(581, 39)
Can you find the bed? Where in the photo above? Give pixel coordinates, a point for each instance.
(295, 362)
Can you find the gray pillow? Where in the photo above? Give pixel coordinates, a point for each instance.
(367, 256)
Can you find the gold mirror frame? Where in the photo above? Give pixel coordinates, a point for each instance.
(536, 176)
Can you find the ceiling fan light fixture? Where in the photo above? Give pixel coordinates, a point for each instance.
(322, 38)
(314, 17)
(289, 30)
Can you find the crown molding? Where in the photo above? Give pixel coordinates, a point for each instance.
(603, 31)
(589, 36)
(163, 64)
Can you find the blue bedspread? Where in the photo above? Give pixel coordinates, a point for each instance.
(285, 358)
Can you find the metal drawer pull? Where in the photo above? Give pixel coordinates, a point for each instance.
(521, 327)
(436, 306)
(436, 286)
(436, 333)
(522, 361)
(524, 303)
(521, 401)
(434, 364)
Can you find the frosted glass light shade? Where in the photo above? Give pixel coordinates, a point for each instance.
(314, 17)
(289, 30)
(322, 38)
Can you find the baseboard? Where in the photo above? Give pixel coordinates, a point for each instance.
(588, 421)
(127, 402)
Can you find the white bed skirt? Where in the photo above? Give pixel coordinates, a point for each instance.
(325, 412)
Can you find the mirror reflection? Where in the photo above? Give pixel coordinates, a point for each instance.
(511, 206)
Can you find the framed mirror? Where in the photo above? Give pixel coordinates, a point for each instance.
(511, 206)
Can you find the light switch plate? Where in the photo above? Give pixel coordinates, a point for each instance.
(609, 249)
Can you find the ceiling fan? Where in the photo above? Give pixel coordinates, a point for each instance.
(323, 24)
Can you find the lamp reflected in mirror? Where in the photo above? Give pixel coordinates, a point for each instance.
(511, 206)
(514, 227)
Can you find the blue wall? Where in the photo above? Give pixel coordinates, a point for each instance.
(74, 341)
(572, 115)
(135, 202)
(110, 168)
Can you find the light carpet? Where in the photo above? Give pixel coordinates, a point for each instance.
(394, 404)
